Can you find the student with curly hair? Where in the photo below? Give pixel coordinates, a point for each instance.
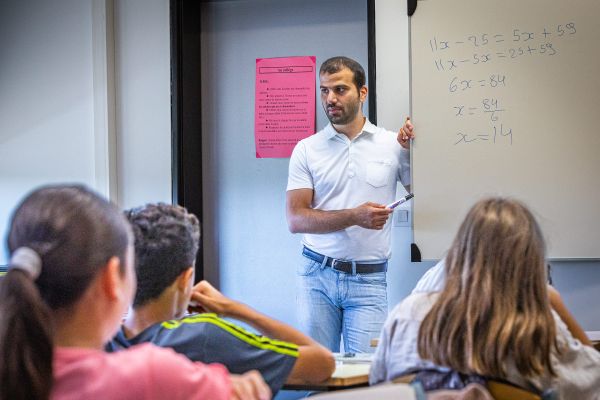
(166, 243)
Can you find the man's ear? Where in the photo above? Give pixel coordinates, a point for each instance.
(363, 93)
(111, 277)
(184, 279)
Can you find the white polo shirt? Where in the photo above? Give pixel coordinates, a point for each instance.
(345, 174)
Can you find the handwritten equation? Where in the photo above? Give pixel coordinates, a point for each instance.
(512, 53)
(518, 35)
(460, 85)
(494, 136)
(490, 51)
(489, 107)
(519, 44)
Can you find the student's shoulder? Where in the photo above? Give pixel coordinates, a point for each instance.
(209, 325)
(218, 333)
(193, 321)
(227, 333)
(414, 307)
(433, 280)
(191, 327)
(120, 341)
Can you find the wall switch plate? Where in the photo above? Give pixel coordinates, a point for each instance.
(401, 218)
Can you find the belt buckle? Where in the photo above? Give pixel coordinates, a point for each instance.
(340, 265)
(333, 262)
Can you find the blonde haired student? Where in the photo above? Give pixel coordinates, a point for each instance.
(69, 282)
(493, 317)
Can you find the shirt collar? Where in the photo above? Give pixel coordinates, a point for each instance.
(368, 127)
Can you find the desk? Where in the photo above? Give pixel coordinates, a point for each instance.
(345, 376)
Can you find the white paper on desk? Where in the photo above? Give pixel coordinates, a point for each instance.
(594, 336)
(358, 358)
(344, 371)
(380, 392)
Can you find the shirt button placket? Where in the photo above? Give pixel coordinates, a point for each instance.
(351, 165)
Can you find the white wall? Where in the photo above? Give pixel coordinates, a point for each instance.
(47, 131)
(143, 91)
(46, 97)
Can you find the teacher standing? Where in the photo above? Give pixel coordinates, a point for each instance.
(339, 182)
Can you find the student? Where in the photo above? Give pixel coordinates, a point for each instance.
(493, 317)
(166, 242)
(435, 277)
(69, 282)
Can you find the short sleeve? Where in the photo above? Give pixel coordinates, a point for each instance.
(173, 376)
(299, 176)
(433, 280)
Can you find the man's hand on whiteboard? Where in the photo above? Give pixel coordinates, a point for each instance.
(406, 133)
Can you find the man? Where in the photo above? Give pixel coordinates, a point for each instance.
(339, 182)
(166, 243)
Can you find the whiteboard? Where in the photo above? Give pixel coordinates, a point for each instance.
(506, 101)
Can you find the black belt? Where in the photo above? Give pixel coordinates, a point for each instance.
(344, 266)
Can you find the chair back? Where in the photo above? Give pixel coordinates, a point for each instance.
(506, 391)
(384, 391)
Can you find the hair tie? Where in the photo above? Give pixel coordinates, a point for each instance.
(28, 260)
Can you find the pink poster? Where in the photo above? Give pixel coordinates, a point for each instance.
(284, 107)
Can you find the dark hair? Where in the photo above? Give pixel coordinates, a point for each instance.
(336, 64)
(75, 232)
(166, 241)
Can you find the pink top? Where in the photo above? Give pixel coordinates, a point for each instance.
(142, 372)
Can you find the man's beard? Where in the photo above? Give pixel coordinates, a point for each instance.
(346, 115)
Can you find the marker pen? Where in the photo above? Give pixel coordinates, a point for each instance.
(400, 201)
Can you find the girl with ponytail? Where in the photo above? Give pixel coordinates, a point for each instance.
(70, 281)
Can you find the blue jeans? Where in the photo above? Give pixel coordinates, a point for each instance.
(333, 304)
